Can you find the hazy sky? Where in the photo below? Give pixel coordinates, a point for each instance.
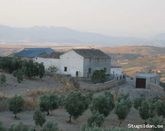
(141, 18)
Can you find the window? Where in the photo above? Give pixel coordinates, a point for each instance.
(89, 70)
(105, 69)
(65, 69)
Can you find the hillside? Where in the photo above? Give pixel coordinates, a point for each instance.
(145, 64)
(140, 50)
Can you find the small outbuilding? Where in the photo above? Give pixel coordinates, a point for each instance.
(117, 72)
(143, 80)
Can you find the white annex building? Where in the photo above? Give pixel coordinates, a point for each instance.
(78, 62)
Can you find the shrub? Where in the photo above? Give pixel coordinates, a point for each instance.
(88, 128)
(39, 118)
(156, 121)
(19, 127)
(96, 119)
(125, 99)
(19, 75)
(99, 76)
(137, 102)
(102, 105)
(144, 110)
(2, 79)
(110, 99)
(160, 108)
(49, 102)
(50, 126)
(75, 105)
(4, 104)
(16, 105)
(2, 128)
(121, 110)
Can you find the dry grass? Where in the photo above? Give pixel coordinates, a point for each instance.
(30, 104)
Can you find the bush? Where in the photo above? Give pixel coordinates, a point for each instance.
(125, 99)
(137, 102)
(2, 79)
(156, 121)
(19, 75)
(75, 105)
(102, 105)
(50, 126)
(87, 128)
(160, 108)
(16, 105)
(123, 107)
(49, 102)
(19, 127)
(144, 110)
(121, 111)
(2, 128)
(39, 118)
(99, 76)
(96, 119)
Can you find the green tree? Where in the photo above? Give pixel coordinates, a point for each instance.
(50, 126)
(49, 102)
(160, 108)
(39, 118)
(121, 110)
(137, 102)
(19, 75)
(19, 127)
(102, 104)
(99, 76)
(75, 105)
(16, 105)
(96, 119)
(144, 110)
(156, 121)
(2, 128)
(41, 70)
(110, 99)
(2, 79)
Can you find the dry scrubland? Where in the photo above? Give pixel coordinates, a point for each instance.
(147, 63)
(31, 90)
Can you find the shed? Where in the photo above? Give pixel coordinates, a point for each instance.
(142, 80)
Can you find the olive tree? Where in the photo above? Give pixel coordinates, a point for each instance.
(50, 126)
(2, 79)
(16, 105)
(19, 127)
(123, 107)
(102, 104)
(75, 104)
(160, 108)
(144, 110)
(96, 119)
(39, 118)
(49, 102)
(2, 128)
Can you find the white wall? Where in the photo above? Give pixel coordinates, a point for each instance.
(48, 62)
(73, 61)
(96, 64)
(117, 71)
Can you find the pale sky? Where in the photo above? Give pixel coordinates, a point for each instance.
(139, 18)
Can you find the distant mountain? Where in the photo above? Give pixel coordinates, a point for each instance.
(41, 34)
(34, 52)
(59, 35)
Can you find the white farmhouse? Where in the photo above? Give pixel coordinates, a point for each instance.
(52, 60)
(78, 62)
(83, 62)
